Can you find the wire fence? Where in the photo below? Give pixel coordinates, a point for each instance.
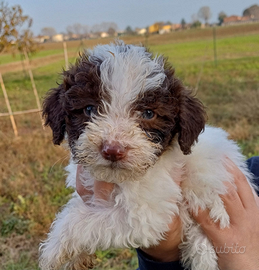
(11, 113)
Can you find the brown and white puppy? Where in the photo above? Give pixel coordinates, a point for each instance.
(131, 122)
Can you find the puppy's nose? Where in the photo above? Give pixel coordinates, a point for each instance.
(113, 151)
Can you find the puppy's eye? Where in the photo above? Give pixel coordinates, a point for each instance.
(148, 114)
(90, 110)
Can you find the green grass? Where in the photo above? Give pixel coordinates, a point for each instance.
(23, 263)
(7, 58)
(186, 53)
(19, 87)
(32, 185)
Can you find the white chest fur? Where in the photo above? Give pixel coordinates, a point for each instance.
(140, 210)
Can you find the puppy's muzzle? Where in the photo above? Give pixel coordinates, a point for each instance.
(113, 151)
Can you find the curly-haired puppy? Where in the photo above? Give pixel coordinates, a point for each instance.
(128, 120)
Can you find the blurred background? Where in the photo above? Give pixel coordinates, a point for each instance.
(213, 45)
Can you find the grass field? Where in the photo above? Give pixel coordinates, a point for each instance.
(31, 170)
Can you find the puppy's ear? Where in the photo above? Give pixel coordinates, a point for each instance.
(192, 118)
(54, 113)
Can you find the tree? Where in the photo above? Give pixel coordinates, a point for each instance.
(104, 27)
(129, 30)
(183, 23)
(221, 17)
(196, 24)
(15, 31)
(252, 12)
(48, 31)
(204, 14)
(111, 32)
(27, 43)
(96, 28)
(85, 31)
(78, 29)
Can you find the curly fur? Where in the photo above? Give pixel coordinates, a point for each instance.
(121, 84)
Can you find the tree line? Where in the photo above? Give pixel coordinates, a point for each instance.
(83, 31)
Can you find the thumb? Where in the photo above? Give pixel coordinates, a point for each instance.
(80, 188)
(103, 190)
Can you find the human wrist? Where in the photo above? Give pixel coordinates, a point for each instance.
(239, 262)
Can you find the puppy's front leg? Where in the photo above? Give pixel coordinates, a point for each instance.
(197, 250)
(67, 245)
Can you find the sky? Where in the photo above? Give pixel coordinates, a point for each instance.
(135, 13)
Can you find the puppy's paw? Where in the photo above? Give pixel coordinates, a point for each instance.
(53, 255)
(84, 261)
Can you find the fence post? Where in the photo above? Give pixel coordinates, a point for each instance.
(65, 54)
(33, 84)
(8, 106)
(215, 46)
(32, 80)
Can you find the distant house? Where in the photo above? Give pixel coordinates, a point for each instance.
(234, 19)
(58, 38)
(66, 37)
(104, 35)
(154, 28)
(176, 26)
(41, 39)
(141, 31)
(167, 28)
(250, 15)
(73, 36)
(120, 33)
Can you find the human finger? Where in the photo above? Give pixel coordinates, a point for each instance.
(82, 191)
(233, 203)
(243, 188)
(206, 222)
(103, 190)
(257, 201)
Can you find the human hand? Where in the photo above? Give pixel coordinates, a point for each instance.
(102, 190)
(237, 247)
(167, 250)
